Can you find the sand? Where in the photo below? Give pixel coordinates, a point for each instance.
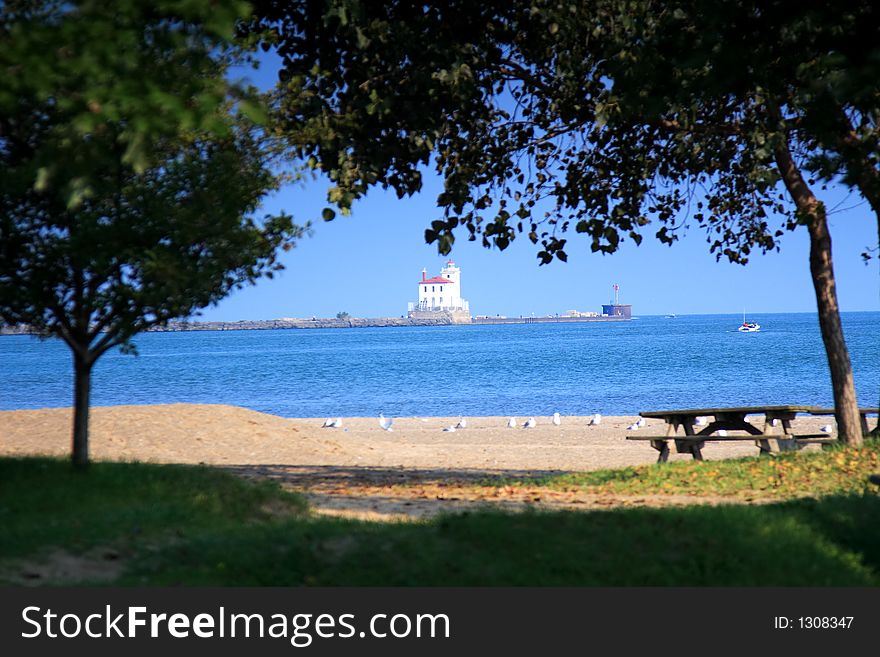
(226, 435)
(359, 460)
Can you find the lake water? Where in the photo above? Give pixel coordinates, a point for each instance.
(521, 369)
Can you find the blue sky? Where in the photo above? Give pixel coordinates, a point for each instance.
(368, 265)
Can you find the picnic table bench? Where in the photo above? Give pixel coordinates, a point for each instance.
(734, 419)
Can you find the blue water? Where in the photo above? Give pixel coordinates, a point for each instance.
(521, 369)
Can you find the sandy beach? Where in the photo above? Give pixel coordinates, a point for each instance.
(227, 435)
(360, 470)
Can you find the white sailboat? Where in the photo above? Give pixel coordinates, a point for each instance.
(748, 327)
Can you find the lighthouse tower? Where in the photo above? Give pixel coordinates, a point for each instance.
(453, 273)
(441, 294)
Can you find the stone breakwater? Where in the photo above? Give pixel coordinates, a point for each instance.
(296, 323)
(267, 324)
(557, 319)
(439, 319)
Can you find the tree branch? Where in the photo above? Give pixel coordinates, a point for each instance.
(868, 179)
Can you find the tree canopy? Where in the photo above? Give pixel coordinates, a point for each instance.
(150, 68)
(620, 114)
(142, 248)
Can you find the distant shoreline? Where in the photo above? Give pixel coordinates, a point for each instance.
(349, 322)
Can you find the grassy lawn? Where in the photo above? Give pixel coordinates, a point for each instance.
(195, 526)
(836, 471)
(46, 503)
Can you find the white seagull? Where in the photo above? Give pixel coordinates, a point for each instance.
(336, 423)
(511, 423)
(385, 422)
(702, 421)
(450, 429)
(633, 427)
(595, 420)
(556, 419)
(642, 422)
(528, 424)
(328, 423)
(722, 433)
(462, 423)
(826, 428)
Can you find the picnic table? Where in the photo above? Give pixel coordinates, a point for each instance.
(776, 434)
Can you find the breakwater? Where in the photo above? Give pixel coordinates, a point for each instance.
(297, 323)
(269, 324)
(562, 319)
(370, 322)
(441, 319)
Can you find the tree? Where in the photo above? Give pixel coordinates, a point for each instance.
(151, 68)
(600, 118)
(342, 315)
(113, 221)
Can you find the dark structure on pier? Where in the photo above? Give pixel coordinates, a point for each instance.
(615, 308)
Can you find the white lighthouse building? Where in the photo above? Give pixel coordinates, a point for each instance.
(441, 294)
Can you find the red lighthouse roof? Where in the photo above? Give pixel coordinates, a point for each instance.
(435, 281)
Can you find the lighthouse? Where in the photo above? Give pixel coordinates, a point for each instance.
(441, 294)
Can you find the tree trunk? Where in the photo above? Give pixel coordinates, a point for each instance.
(812, 211)
(846, 405)
(82, 386)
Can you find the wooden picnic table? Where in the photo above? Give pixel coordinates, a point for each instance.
(734, 419)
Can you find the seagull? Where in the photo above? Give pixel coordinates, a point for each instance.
(328, 423)
(826, 428)
(633, 427)
(595, 420)
(556, 419)
(462, 423)
(642, 422)
(701, 421)
(336, 423)
(449, 429)
(528, 424)
(722, 432)
(511, 423)
(385, 422)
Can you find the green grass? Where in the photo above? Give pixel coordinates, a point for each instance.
(837, 471)
(807, 543)
(46, 503)
(180, 525)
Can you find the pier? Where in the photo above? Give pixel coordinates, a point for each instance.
(560, 319)
(351, 322)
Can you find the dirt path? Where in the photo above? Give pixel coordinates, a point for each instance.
(398, 494)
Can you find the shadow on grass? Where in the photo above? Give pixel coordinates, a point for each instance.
(310, 475)
(805, 543)
(178, 525)
(46, 503)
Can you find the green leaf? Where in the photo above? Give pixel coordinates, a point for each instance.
(42, 182)
(254, 111)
